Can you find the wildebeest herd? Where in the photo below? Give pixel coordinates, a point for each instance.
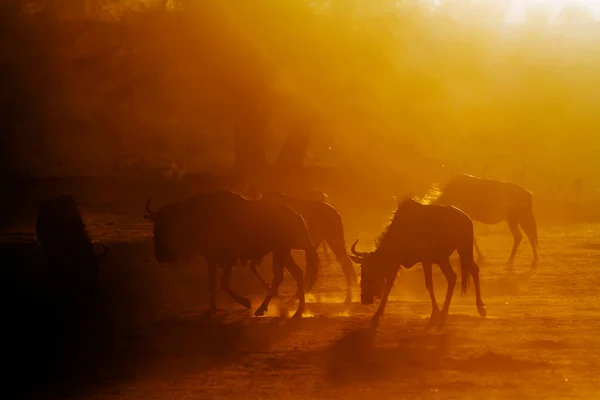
(228, 229)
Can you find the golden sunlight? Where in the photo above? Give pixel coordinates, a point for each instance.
(551, 9)
(300, 199)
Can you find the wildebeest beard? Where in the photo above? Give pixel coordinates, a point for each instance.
(371, 281)
(163, 250)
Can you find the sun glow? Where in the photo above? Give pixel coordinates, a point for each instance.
(518, 9)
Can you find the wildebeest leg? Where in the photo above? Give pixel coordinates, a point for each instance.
(451, 279)
(227, 289)
(212, 286)
(279, 260)
(527, 222)
(298, 276)
(338, 247)
(292, 266)
(517, 236)
(389, 283)
(435, 311)
(255, 271)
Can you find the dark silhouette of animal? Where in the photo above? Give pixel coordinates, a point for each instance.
(300, 192)
(325, 225)
(491, 202)
(224, 227)
(71, 258)
(428, 234)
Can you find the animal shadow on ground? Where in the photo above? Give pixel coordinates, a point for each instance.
(356, 357)
(192, 345)
(591, 246)
(509, 283)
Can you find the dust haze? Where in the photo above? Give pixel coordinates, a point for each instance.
(366, 101)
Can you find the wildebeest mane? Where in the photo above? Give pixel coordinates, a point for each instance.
(394, 218)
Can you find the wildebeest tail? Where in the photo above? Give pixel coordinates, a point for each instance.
(304, 242)
(465, 272)
(534, 233)
(466, 259)
(312, 265)
(529, 225)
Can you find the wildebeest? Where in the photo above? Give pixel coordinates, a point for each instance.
(299, 192)
(420, 233)
(491, 202)
(224, 227)
(325, 225)
(70, 253)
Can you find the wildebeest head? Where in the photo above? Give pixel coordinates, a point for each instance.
(163, 251)
(371, 274)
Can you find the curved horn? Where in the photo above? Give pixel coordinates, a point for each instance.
(148, 210)
(102, 256)
(104, 251)
(151, 214)
(357, 253)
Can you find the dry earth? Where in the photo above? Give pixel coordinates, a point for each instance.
(147, 338)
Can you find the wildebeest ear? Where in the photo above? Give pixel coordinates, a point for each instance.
(357, 260)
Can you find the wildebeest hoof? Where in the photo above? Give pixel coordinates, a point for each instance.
(260, 312)
(533, 269)
(482, 310)
(245, 302)
(348, 299)
(434, 318)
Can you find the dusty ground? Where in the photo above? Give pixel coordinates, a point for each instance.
(147, 339)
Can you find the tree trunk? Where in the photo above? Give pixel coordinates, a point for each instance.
(249, 142)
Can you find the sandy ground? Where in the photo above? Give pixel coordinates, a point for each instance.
(538, 342)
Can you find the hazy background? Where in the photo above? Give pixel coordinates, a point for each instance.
(402, 93)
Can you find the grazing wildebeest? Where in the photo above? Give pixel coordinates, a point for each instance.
(420, 233)
(490, 202)
(70, 253)
(325, 225)
(224, 227)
